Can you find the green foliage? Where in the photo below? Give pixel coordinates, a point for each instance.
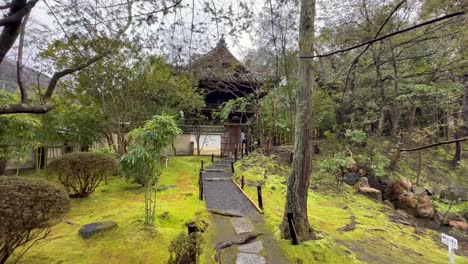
(28, 207)
(17, 132)
(81, 172)
(185, 248)
(324, 111)
(335, 166)
(239, 105)
(106, 151)
(141, 163)
(355, 137)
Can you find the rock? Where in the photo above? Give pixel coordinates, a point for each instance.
(91, 229)
(459, 225)
(419, 191)
(242, 225)
(402, 217)
(165, 187)
(454, 193)
(375, 182)
(424, 208)
(401, 186)
(371, 193)
(389, 204)
(244, 258)
(364, 182)
(407, 200)
(353, 167)
(254, 247)
(362, 172)
(351, 178)
(430, 191)
(450, 216)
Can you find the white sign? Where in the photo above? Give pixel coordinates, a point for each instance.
(452, 244)
(450, 241)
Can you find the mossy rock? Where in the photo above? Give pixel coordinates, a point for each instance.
(92, 229)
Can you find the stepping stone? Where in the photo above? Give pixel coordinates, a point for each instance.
(242, 225)
(254, 247)
(244, 258)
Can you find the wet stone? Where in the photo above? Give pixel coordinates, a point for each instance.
(242, 225)
(244, 258)
(254, 247)
(92, 229)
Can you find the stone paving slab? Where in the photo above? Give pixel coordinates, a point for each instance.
(242, 225)
(244, 258)
(254, 247)
(226, 196)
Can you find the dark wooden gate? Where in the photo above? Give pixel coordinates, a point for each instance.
(231, 140)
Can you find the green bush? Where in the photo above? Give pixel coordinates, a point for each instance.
(28, 207)
(185, 249)
(81, 172)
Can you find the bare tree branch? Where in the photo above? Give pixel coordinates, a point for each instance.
(25, 108)
(19, 63)
(435, 144)
(459, 13)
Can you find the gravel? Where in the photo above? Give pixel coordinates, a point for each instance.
(225, 195)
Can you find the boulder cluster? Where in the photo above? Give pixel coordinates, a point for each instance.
(404, 196)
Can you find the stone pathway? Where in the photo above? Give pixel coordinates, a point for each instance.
(222, 195)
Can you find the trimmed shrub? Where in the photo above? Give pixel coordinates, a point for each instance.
(28, 207)
(81, 172)
(185, 248)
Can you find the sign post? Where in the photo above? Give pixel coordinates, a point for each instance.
(452, 244)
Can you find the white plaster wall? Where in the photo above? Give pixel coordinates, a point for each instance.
(209, 144)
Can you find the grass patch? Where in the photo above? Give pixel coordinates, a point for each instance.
(123, 202)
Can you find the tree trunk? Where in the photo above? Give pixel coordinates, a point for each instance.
(298, 182)
(462, 131)
(3, 163)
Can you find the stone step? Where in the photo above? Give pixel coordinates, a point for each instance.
(254, 247)
(245, 258)
(242, 225)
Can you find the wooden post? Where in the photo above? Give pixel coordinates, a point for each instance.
(242, 182)
(201, 164)
(200, 186)
(292, 229)
(212, 157)
(235, 153)
(232, 166)
(259, 193)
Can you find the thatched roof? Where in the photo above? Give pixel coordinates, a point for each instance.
(220, 65)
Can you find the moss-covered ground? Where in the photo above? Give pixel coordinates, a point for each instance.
(123, 202)
(375, 239)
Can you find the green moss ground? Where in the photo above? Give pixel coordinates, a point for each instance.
(123, 202)
(375, 240)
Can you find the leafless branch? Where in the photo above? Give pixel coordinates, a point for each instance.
(435, 144)
(459, 13)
